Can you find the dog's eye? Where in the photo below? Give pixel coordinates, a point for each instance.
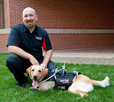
(39, 71)
(32, 69)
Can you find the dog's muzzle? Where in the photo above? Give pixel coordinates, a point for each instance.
(35, 77)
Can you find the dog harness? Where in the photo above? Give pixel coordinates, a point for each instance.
(60, 79)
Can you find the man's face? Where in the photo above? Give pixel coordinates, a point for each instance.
(29, 18)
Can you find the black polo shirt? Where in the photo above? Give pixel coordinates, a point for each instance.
(30, 42)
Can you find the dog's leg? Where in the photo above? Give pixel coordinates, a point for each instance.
(78, 91)
(82, 94)
(102, 83)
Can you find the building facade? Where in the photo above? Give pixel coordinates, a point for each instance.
(71, 24)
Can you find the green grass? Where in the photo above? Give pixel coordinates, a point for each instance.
(9, 92)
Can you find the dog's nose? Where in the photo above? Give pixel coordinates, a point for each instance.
(35, 76)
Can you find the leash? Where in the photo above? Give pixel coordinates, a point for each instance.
(50, 77)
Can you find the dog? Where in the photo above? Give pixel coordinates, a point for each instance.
(80, 85)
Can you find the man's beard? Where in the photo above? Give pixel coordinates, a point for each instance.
(29, 26)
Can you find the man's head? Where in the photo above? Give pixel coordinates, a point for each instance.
(29, 18)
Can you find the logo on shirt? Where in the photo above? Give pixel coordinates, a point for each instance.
(38, 38)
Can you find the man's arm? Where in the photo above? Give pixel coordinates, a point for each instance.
(47, 57)
(20, 52)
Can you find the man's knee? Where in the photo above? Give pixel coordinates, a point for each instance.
(12, 59)
(51, 65)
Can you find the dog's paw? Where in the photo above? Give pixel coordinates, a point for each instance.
(84, 95)
(105, 82)
(38, 88)
(33, 88)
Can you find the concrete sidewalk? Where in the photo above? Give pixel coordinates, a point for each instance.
(100, 56)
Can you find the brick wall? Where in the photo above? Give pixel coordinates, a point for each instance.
(80, 41)
(67, 14)
(3, 41)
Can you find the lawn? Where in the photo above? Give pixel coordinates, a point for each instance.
(9, 92)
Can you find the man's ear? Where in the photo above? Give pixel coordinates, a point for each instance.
(28, 70)
(36, 17)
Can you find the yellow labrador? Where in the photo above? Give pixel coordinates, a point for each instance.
(80, 85)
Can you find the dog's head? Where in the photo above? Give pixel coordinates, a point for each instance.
(37, 72)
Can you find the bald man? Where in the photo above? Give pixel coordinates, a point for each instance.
(25, 44)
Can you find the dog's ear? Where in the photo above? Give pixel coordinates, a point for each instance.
(44, 72)
(28, 70)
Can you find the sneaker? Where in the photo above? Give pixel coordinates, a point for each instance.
(22, 85)
(17, 83)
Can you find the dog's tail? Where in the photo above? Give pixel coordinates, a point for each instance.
(102, 83)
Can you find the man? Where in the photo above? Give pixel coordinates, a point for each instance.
(25, 45)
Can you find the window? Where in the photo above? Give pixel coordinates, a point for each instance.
(2, 15)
